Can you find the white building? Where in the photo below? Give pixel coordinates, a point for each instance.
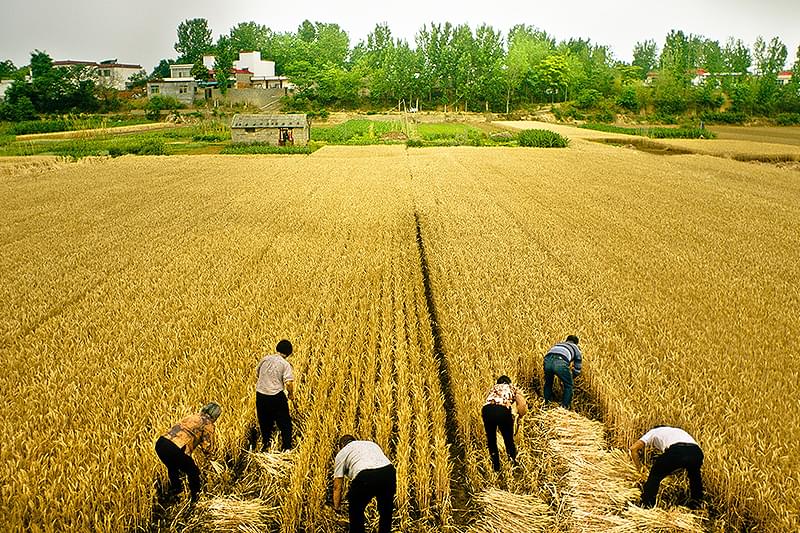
(262, 72)
(109, 73)
(180, 85)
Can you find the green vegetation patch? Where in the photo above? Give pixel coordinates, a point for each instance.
(452, 134)
(74, 123)
(542, 139)
(655, 133)
(258, 148)
(359, 131)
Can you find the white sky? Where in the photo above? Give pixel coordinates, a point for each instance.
(144, 31)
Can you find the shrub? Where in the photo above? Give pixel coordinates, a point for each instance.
(628, 99)
(655, 133)
(159, 103)
(138, 147)
(264, 148)
(587, 98)
(723, 117)
(501, 136)
(787, 119)
(542, 139)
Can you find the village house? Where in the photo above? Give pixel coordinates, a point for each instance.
(784, 77)
(276, 129)
(109, 73)
(180, 85)
(260, 73)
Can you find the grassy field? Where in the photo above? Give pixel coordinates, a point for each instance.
(408, 279)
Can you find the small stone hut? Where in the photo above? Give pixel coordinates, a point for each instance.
(277, 130)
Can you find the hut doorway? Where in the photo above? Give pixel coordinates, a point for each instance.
(285, 137)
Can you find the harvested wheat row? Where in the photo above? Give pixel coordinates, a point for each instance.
(506, 511)
(598, 484)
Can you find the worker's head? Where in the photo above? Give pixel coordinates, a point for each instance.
(504, 380)
(344, 440)
(212, 410)
(573, 339)
(284, 347)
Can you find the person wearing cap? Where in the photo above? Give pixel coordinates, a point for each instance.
(175, 448)
(557, 362)
(372, 475)
(272, 404)
(679, 451)
(497, 414)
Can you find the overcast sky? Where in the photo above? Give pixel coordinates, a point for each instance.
(145, 31)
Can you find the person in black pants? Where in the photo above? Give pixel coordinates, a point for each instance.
(678, 451)
(272, 404)
(175, 448)
(372, 475)
(496, 414)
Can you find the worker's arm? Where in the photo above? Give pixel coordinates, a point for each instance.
(208, 441)
(577, 361)
(337, 493)
(522, 404)
(636, 451)
(290, 389)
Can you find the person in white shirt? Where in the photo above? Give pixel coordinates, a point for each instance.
(372, 475)
(272, 405)
(678, 451)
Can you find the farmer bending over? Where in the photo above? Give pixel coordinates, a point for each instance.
(175, 448)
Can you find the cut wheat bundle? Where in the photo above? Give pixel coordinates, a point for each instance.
(233, 514)
(506, 511)
(599, 484)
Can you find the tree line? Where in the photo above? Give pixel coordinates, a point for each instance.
(458, 67)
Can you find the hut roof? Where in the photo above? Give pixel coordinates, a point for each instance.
(269, 121)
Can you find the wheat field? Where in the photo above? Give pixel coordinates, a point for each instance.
(136, 289)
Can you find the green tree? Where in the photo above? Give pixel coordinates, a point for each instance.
(17, 104)
(223, 62)
(670, 96)
(552, 73)
(676, 58)
(7, 69)
(162, 69)
(200, 72)
(488, 61)
(515, 69)
(710, 56)
(769, 59)
(736, 56)
(438, 61)
(47, 94)
(250, 36)
(194, 40)
(645, 56)
(137, 80)
(530, 47)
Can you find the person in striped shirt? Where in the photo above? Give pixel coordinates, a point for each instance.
(562, 360)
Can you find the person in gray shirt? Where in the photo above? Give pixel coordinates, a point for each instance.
(557, 362)
(272, 405)
(372, 475)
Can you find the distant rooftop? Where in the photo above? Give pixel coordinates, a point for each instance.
(269, 121)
